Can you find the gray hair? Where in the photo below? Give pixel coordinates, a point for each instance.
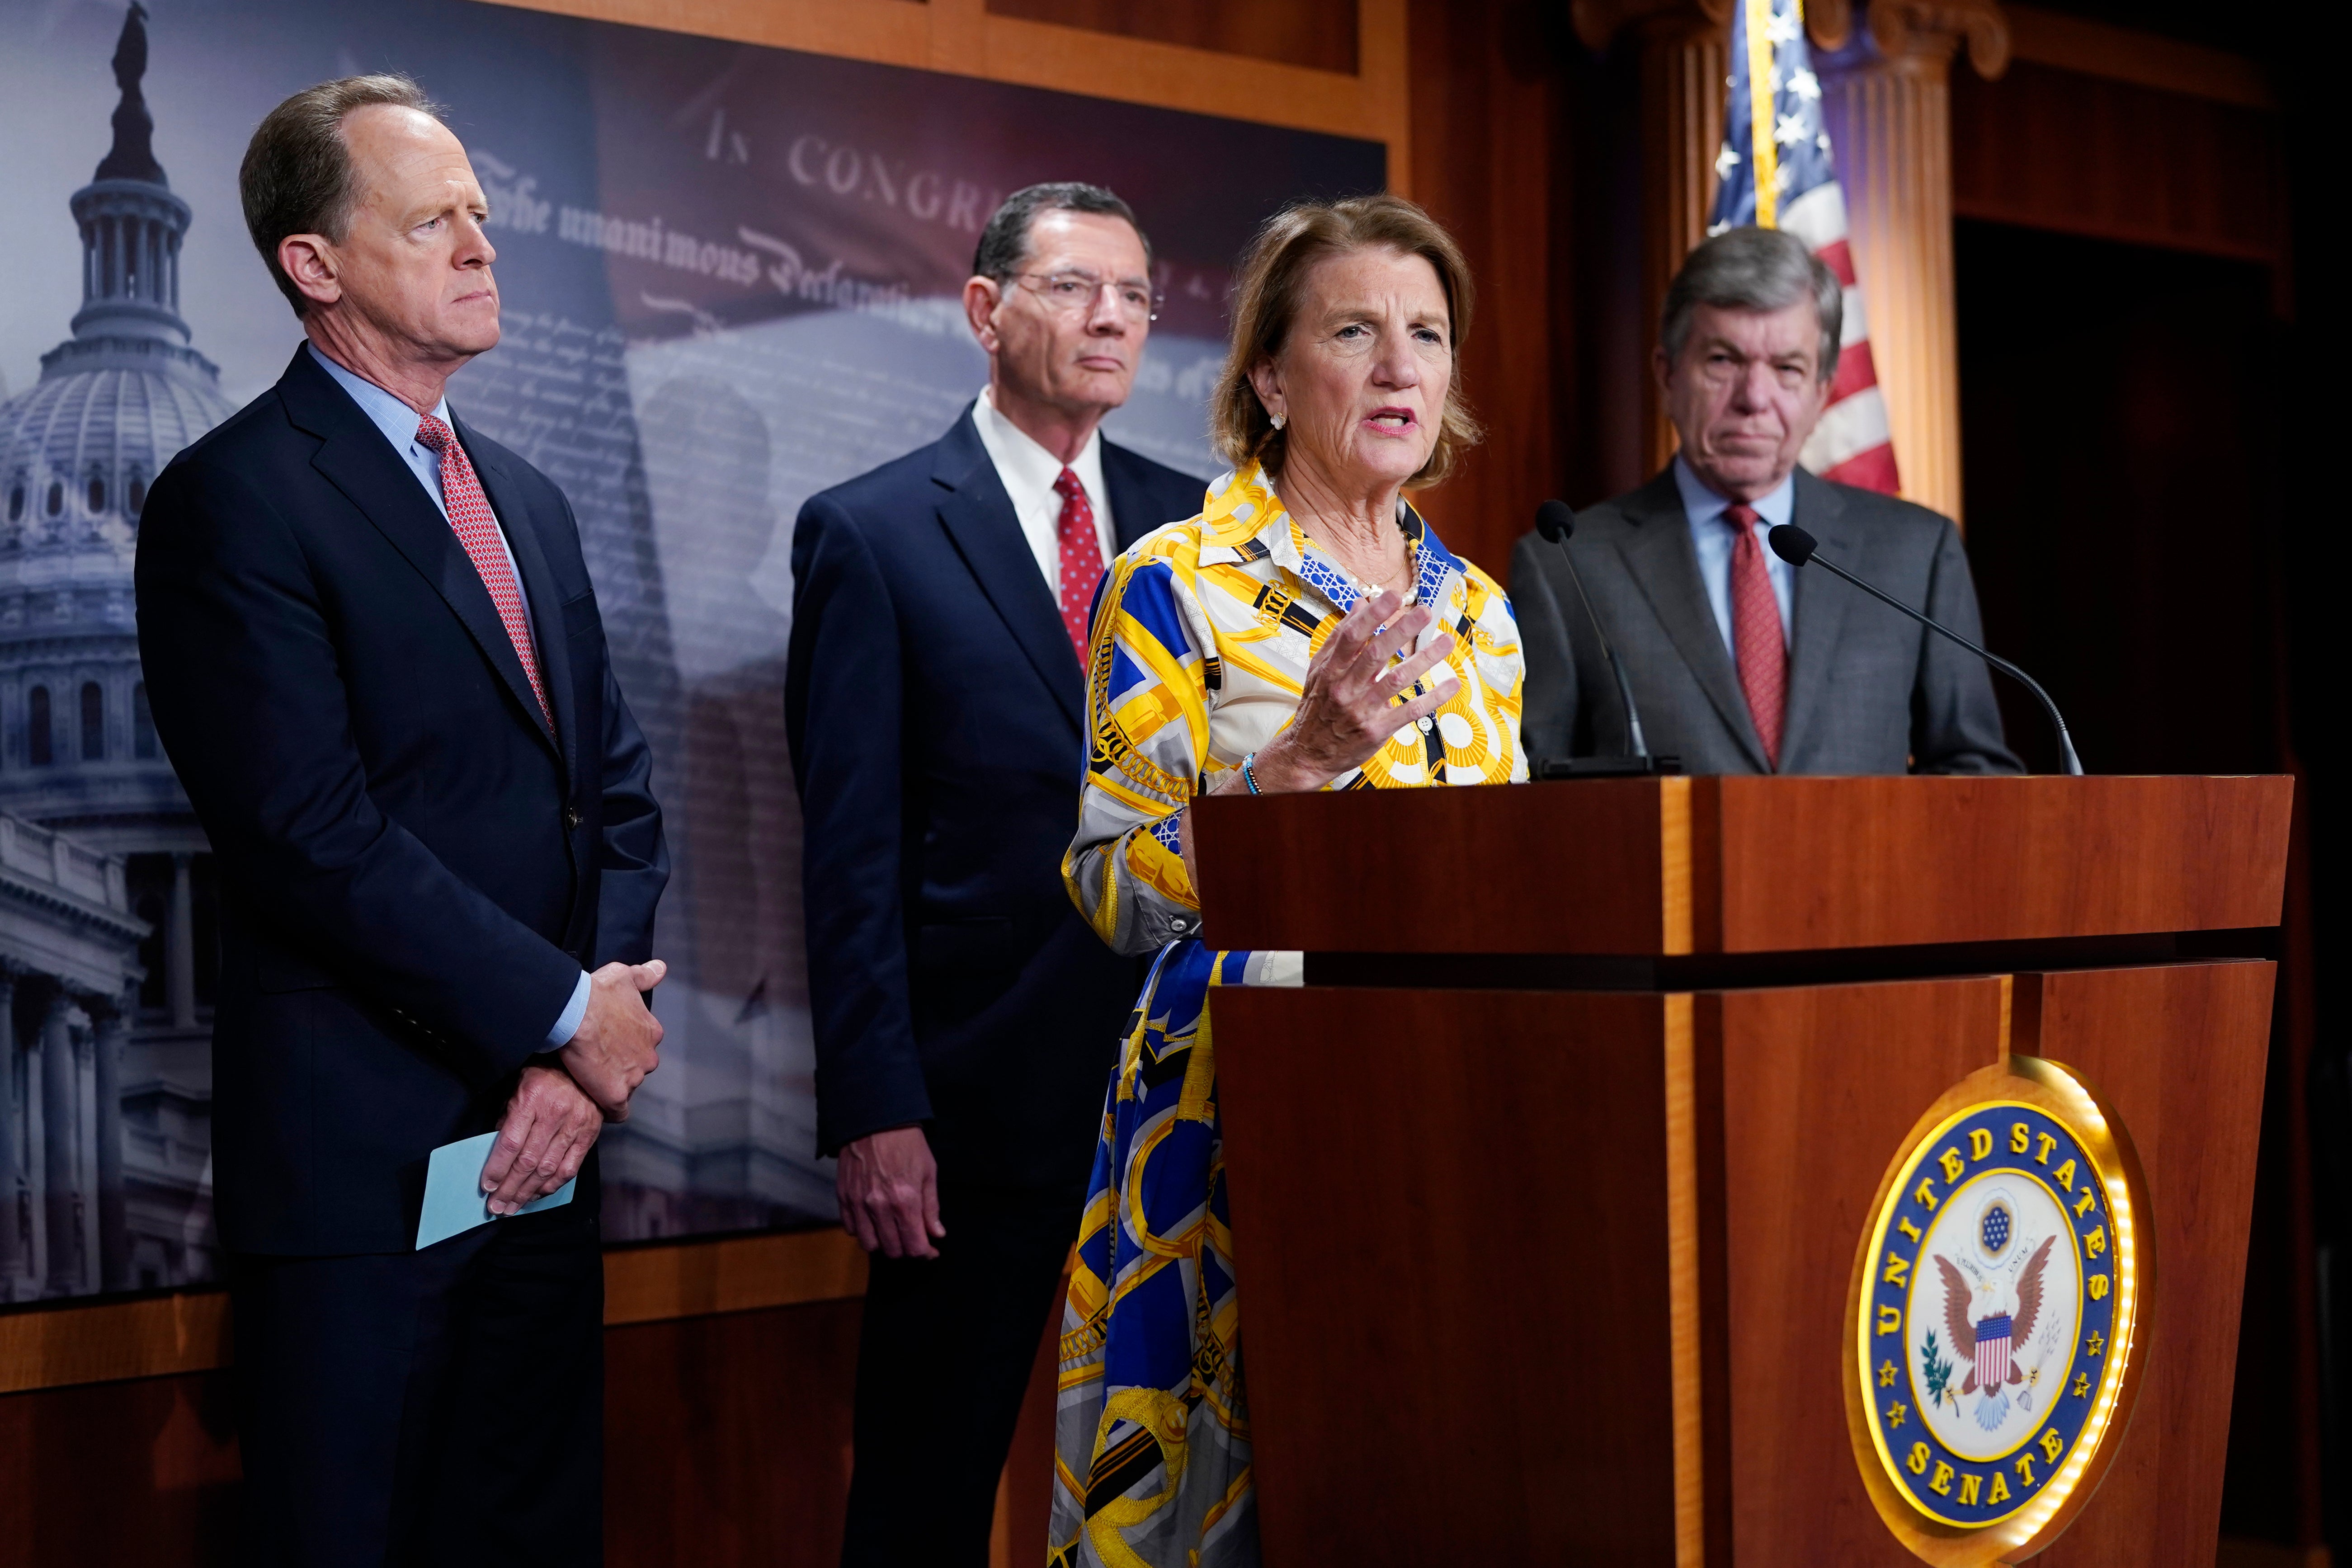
(1753, 269)
(297, 177)
(1004, 243)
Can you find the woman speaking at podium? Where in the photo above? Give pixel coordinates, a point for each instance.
(1307, 631)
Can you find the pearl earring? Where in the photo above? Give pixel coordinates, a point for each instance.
(1277, 420)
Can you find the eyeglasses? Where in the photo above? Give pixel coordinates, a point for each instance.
(1072, 293)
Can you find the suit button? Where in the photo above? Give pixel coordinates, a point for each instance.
(571, 819)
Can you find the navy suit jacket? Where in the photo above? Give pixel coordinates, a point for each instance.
(415, 869)
(937, 713)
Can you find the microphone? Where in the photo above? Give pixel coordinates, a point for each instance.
(1795, 546)
(1556, 523)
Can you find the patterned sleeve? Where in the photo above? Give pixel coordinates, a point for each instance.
(1492, 629)
(1148, 701)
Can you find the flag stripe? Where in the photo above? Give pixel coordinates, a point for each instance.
(1871, 471)
(1855, 373)
(1776, 103)
(1852, 425)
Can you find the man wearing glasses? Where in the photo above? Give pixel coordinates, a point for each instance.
(966, 1018)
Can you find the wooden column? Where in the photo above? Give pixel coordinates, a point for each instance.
(1889, 116)
(1684, 50)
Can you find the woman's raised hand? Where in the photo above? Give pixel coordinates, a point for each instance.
(1346, 711)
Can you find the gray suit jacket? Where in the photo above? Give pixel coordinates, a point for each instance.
(1869, 692)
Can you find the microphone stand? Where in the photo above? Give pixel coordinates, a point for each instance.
(1555, 523)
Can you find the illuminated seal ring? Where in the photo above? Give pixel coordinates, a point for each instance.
(1994, 1320)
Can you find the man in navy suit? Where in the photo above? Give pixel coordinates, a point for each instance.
(965, 1016)
(374, 657)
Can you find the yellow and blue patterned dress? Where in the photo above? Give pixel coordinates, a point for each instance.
(1201, 637)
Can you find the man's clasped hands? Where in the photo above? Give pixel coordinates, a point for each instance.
(561, 1104)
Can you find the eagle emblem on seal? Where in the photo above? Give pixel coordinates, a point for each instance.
(1982, 1340)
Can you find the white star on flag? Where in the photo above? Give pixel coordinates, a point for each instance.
(1793, 130)
(1725, 162)
(1806, 85)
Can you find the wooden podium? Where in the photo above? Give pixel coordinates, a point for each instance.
(1547, 1185)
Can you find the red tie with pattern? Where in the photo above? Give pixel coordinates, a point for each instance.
(478, 531)
(1757, 642)
(1082, 561)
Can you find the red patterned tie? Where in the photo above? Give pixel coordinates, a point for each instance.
(1082, 561)
(478, 531)
(1757, 642)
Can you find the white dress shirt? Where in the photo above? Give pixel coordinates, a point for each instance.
(398, 422)
(1712, 538)
(1028, 472)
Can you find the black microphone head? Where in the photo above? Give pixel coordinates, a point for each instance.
(1555, 522)
(1792, 543)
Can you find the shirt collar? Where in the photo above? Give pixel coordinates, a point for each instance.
(1703, 506)
(1032, 466)
(1245, 520)
(396, 419)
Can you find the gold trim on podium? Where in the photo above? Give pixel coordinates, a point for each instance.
(1686, 1315)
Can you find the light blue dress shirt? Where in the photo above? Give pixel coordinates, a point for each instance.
(399, 422)
(1712, 538)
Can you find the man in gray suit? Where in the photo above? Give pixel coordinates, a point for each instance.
(1739, 663)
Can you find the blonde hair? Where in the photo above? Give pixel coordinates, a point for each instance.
(1271, 288)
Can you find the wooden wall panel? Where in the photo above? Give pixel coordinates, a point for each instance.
(1485, 92)
(726, 1438)
(1319, 34)
(2055, 149)
(727, 1443)
(139, 1472)
(966, 37)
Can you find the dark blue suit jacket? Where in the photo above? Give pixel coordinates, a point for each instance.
(415, 869)
(937, 717)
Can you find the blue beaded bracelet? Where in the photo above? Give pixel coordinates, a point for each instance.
(1249, 773)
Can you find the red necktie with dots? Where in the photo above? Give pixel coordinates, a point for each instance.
(477, 529)
(1757, 645)
(1082, 561)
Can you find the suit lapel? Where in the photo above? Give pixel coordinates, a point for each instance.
(1818, 607)
(1131, 506)
(979, 519)
(356, 459)
(540, 587)
(1660, 558)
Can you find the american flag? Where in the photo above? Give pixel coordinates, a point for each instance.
(1775, 172)
(1993, 1352)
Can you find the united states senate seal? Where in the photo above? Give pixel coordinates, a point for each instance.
(1994, 1320)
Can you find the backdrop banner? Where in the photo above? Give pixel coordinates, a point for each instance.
(731, 277)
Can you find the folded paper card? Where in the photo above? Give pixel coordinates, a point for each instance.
(454, 1200)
